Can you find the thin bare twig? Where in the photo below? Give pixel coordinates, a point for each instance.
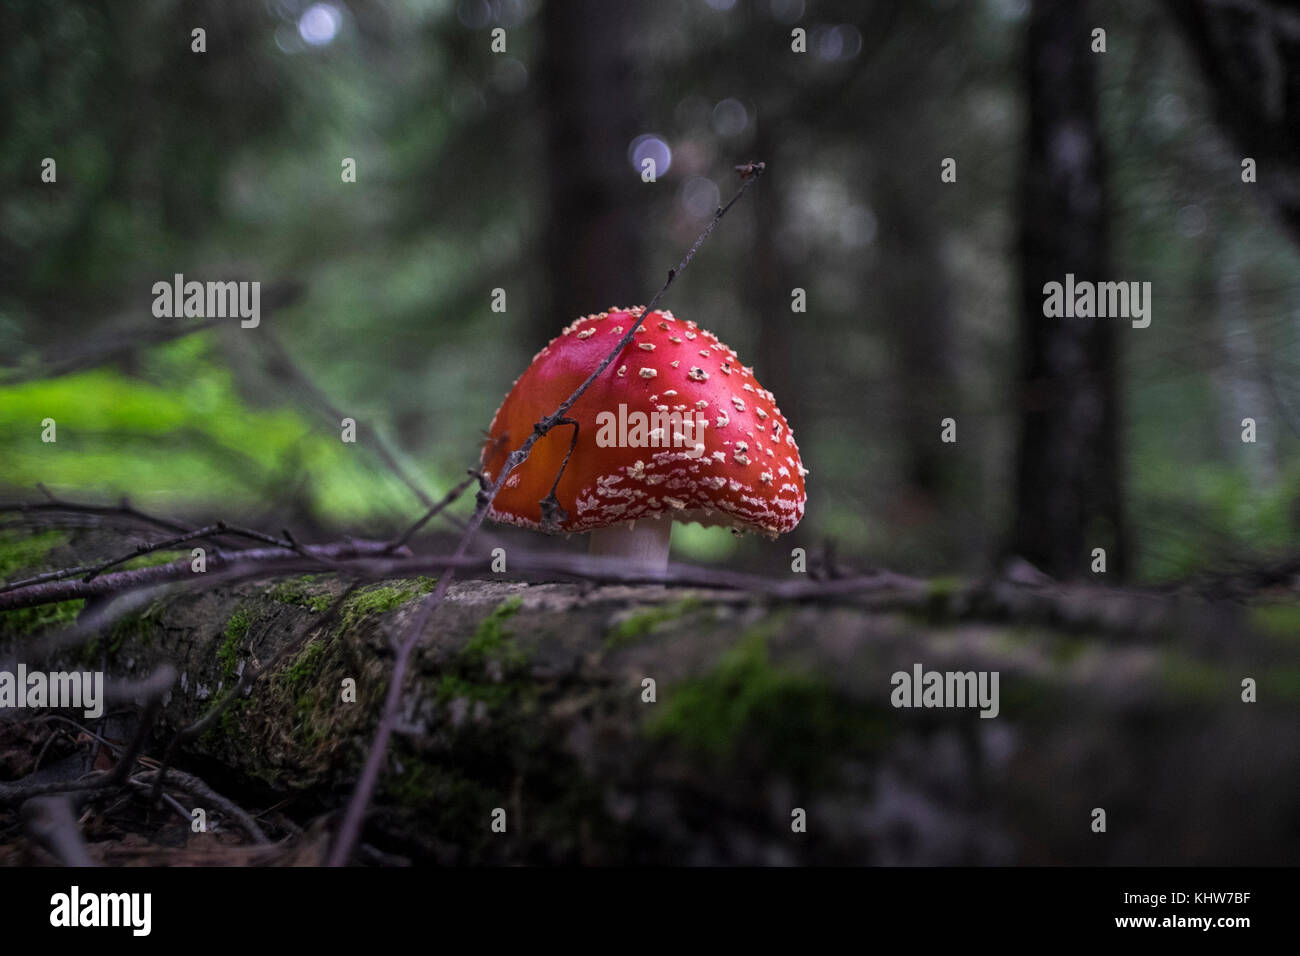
(287, 541)
(123, 509)
(93, 571)
(552, 514)
(436, 509)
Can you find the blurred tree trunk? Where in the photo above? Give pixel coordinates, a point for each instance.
(1068, 495)
(593, 244)
(921, 333)
(1249, 56)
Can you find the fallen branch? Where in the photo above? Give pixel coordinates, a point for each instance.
(67, 589)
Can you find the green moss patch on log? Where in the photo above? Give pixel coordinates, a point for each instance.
(235, 631)
(489, 668)
(491, 639)
(313, 680)
(749, 706)
(492, 742)
(27, 621)
(1281, 621)
(139, 629)
(644, 621)
(382, 598)
(302, 591)
(25, 555)
(152, 559)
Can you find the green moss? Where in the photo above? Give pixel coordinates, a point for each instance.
(1027, 699)
(641, 623)
(489, 667)
(382, 598)
(294, 591)
(228, 653)
(298, 687)
(287, 592)
(31, 620)
(462, 801)
(414, 787)
(305, 664)
(1277, 620)
(308, 729)
(25, 554)
(313, 725)
(943, 588)
(152, 559)
(1014, 641)
(229, 724)
(136, 628)
(1283, 684)
(1064, 650)
(1194, 680)
(491, 639)
(780, 718)
(452, 686)
(939, 596)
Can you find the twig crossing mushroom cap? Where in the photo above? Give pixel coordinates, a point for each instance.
(674, 426)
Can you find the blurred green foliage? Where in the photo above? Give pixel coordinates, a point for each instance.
(178, 433)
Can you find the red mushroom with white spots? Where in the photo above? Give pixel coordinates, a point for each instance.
(675, 429)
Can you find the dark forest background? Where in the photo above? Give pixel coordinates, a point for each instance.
(479, 170)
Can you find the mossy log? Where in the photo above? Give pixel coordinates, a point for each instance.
(613, 724)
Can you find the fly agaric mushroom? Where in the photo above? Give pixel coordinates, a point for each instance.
(674, 429)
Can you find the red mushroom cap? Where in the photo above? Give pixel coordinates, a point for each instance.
(671, 376)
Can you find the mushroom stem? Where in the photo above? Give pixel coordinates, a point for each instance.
(646, 542)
